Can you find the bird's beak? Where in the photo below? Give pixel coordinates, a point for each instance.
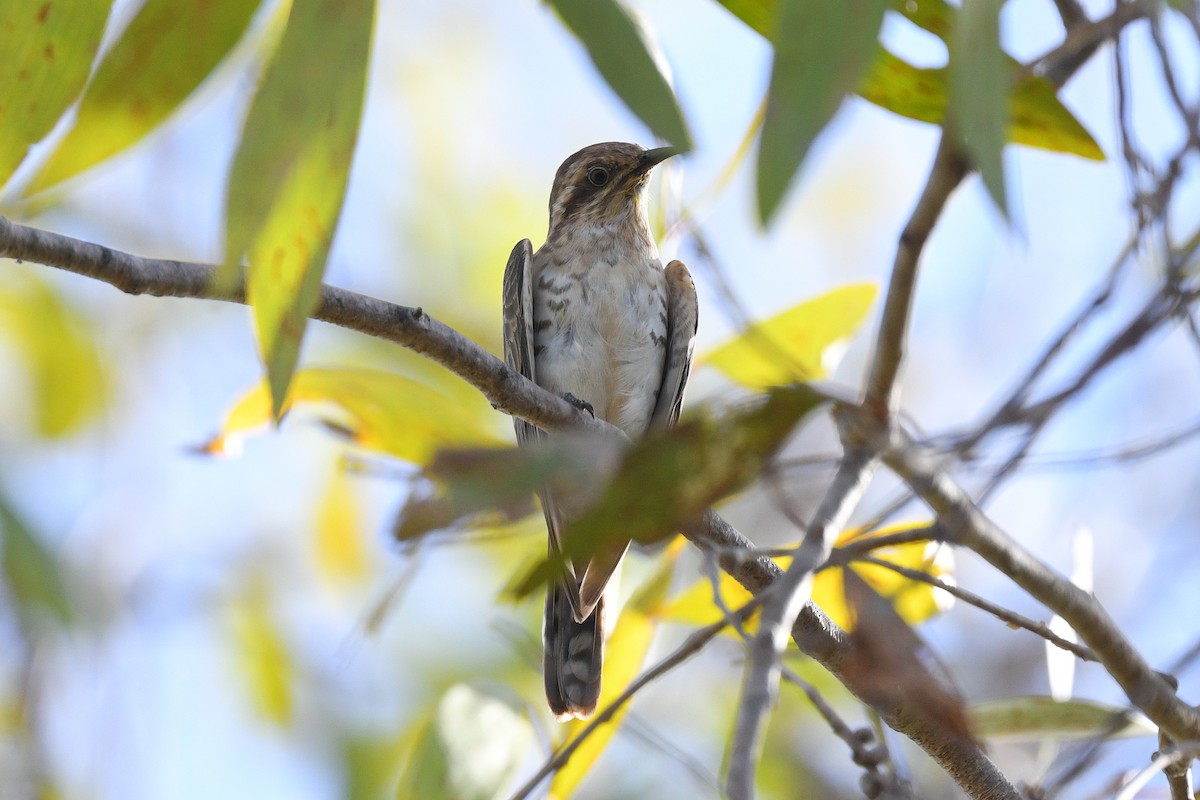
(652, 158)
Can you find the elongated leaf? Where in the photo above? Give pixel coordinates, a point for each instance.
(169, 48)
(339, 535)
(30, 571)
(262, 654)
(822, 48)
(624, 653)
(380, 411)
(669, 477)
(56, 343)
(622, 53)
(795, 345)
(1033, 718)
(44, 62)
(979, 86)
(290, 172)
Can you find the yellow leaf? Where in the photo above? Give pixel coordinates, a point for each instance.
(339, 544)
(624, 653)
(381, 411)
(915, 601)
(68, 378)
(262, 654)
(796, 345)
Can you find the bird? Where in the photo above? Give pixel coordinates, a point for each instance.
(593, 316)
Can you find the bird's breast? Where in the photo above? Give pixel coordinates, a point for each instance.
(600, 328)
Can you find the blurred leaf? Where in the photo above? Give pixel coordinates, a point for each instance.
(979, 87)
(380, 411)
(795, 345)
(624, 55)
(498, 484)
(697, 606)
(758, 14)
(169, 48)
(467, 748)
(624, 653)
(887, 663)
(262, 654)
(369, 765)
(340, 546)
(289, 175)
(669, 478)
(822, 48)
(486, 741)
(69, 381)
(1034, 718)
(935, 16)
(47, 55)
(31, 571)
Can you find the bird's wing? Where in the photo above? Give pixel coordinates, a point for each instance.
(518, 323)
(519, 354)
(682, 318)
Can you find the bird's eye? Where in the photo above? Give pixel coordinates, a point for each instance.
(597, 176)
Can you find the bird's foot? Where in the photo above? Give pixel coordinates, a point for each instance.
(582, 405)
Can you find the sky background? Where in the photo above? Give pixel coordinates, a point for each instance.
(471, 106)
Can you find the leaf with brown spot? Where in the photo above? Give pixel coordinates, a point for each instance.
(44, 63)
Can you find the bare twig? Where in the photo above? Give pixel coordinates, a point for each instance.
(999, 612)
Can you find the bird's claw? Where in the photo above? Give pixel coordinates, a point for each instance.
(582, 405)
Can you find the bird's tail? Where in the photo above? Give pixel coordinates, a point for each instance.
(573, 655)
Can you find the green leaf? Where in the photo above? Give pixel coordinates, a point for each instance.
(822, 48)
(70, 385)
(169, 48)
(668, 478)
(47, 54)
(1033, 718)
(797, 344)
(979, 86)
(758, 14)
(935, 16)
(30, 570)
(289, 175)
(622, 52)
(496, 485)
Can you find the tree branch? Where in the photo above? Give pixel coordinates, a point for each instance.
(511, 393)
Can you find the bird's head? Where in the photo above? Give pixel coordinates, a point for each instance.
(603, 185)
